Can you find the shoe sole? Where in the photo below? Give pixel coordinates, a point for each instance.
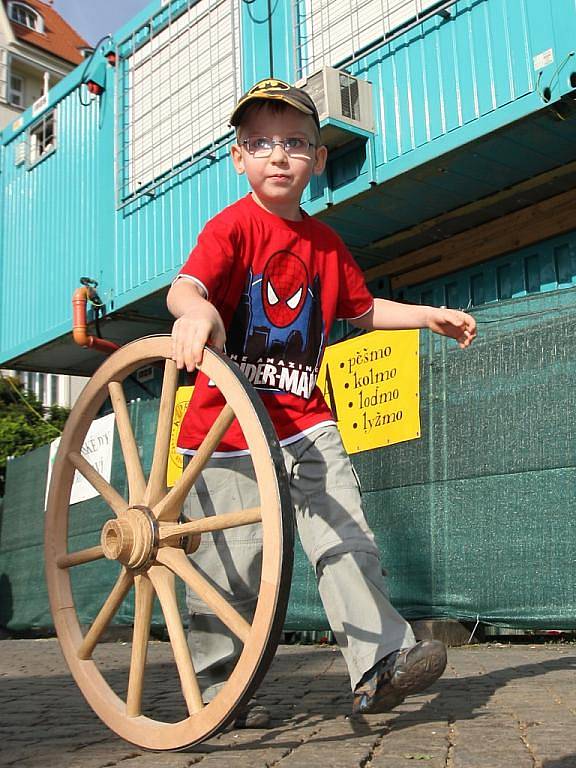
(422, 666)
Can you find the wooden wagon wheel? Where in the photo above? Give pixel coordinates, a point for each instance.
(143, 534)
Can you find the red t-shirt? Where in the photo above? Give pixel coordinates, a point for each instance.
(278, 285)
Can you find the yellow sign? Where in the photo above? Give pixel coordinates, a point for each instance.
(175, 460)
(372, 385)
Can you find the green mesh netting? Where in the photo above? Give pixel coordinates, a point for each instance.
(474, 520)
(477, 519)
(23, 593)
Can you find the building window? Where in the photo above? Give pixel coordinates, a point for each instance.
(3, 74)
(23, 14)
(16, 91)
(43, 137)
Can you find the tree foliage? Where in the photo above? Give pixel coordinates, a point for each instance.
(24, 422)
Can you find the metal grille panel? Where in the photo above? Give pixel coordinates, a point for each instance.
(330, 32)
(178, 88)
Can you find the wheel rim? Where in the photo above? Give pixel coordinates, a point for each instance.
(144, 537)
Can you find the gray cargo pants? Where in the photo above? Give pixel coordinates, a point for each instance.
(335, 536)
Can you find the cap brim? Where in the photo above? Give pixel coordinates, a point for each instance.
(241, 106)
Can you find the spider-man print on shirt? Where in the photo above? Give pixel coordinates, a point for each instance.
(276, 335)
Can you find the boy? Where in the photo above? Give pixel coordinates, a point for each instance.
(267, 281)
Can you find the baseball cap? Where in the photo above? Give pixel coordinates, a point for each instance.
(280, 91)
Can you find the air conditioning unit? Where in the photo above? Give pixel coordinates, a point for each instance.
(344, 105)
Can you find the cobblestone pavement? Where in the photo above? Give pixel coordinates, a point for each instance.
(495, 707)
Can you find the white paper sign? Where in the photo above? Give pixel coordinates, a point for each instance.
(97, 449)
(543, 59)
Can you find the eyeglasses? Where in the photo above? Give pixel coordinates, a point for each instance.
(262, 146)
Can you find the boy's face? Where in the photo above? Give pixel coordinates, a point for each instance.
(278, 180)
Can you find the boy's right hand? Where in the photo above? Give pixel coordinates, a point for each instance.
(199, 325)
(191, 333)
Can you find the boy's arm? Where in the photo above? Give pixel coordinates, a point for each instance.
(198, 322)
(389, 315)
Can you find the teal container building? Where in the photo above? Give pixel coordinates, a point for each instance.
(452, 135)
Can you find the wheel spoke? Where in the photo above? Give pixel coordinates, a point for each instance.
(109, 494)
(111, 605)
(171, 532)
(142, 618)
(177, 561)
(134, 473)
(157, 480)
(80, 557)
(163, 581)
(169, 507)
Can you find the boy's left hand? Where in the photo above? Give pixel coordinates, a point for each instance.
(453, 323)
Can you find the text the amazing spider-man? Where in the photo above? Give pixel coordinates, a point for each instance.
(277, 333)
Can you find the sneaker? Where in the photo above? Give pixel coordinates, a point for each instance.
(253, 716)
(398, 675)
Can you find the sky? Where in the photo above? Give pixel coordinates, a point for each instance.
(95, 18)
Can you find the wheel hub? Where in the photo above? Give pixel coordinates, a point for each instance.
(132, 538)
